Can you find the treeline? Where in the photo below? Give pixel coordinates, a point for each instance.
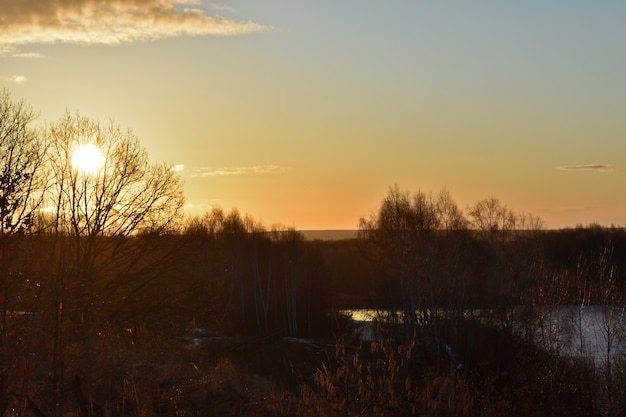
(425, 253)
(251, 280)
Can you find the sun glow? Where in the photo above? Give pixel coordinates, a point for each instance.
(88, 158)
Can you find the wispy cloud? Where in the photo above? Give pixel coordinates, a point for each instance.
(223, 8)
(4, 48)
(18, 79)
(109, 22)
(251, 170)
(28, 55)
(588, 167)
(178, 168)
(200, 207)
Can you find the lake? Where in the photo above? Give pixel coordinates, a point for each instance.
(595, 332)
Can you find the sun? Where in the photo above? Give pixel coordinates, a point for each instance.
(88, 158)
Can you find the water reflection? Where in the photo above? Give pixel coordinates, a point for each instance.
(596, 332)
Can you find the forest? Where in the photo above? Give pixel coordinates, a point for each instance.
(117, 304)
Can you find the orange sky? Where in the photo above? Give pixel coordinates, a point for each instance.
(304, 113)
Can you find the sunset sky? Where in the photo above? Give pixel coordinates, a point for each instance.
(305, 113)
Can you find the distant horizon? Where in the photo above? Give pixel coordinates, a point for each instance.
(547, 225)
(339, 234)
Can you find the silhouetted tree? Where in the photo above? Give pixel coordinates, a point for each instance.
(99, 259)
(392, 234)
(22, 186)
(413, 241)
(126, 197)
(496, 224)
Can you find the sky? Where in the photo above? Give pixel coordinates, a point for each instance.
(305, 113)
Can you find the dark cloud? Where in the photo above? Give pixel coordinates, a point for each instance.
(588, 167)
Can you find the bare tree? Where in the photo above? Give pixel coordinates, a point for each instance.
(611, 317)
(289, 245)
(100, 257)
(252, 279)
(391, 234)
(406, 242)
(491, 216)
(450, 215)
(495, 222)
(22, 183)
(125, 197)
(22, 178)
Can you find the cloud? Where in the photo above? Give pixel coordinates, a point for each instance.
(251, 170)
(108, 22)
(201, 206)
(19, 79)
(28, 55)
(178, 168)
(223, 8)
(5, 49)
(588, 167)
